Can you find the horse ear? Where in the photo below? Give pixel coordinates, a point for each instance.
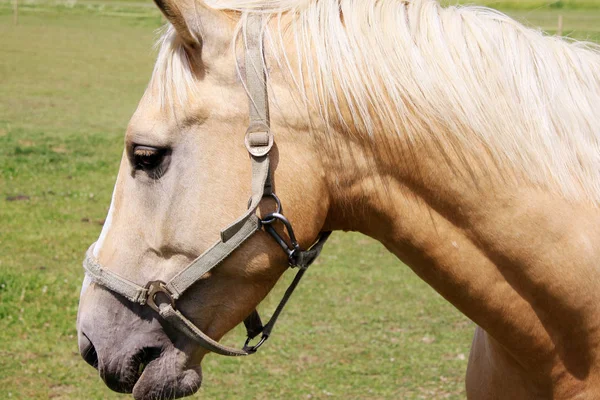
(174, 14)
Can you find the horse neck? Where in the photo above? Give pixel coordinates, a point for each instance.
(518, 260)
(479, 220)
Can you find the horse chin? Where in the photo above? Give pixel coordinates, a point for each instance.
(164, 379)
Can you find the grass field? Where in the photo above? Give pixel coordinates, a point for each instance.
(361, 326)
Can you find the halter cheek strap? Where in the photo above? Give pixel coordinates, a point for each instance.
(162, 296)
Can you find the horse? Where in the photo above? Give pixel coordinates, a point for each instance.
(464, 142)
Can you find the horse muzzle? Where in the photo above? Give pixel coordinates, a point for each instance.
(132, 352)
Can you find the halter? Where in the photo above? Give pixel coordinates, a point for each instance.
(162, 296)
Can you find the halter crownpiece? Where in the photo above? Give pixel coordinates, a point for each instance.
(162, 296)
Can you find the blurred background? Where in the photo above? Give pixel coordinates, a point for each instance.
(71, 72)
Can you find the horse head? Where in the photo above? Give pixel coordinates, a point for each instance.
(193, 156)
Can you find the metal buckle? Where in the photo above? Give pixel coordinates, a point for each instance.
(154, 288)
(259, 140)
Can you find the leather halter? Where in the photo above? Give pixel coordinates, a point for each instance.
(162, 296)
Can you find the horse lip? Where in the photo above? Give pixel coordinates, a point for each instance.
(160, 380)
(142, 376)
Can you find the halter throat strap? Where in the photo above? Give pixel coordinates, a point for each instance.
(161, 296)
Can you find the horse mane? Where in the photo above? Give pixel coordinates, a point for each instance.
(471, 76)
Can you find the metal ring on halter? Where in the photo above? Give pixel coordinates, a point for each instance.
(252, 349)
(278, 207)
(154, 288)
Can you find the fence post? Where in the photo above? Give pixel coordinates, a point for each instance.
(16, 12)
(559, 31)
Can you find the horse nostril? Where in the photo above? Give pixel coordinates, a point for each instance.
(88, 351)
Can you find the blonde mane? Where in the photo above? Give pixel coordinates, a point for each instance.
(472, 76)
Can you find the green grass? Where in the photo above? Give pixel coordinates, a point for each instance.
(361, 325)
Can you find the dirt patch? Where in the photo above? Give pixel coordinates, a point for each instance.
(60, 149)
(19, 197)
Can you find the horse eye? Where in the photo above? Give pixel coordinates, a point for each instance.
(147, 158)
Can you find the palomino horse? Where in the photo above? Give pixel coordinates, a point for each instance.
(464, 142)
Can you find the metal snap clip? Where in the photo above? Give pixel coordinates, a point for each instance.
(252, 349)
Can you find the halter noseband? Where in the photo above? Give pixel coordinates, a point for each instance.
(162, 296)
